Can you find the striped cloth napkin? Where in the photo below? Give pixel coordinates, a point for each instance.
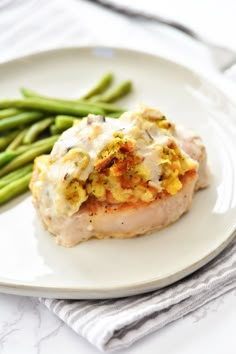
(117, 323)
(29, 26)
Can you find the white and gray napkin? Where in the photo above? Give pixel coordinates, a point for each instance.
(117, 323)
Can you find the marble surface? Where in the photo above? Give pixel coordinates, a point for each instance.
(26, 326)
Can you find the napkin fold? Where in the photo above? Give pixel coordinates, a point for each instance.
(117, 323)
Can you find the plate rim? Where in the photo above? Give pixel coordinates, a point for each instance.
(214, 78)
(86, 293)
(134, 288)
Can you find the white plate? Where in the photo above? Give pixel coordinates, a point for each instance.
(30, 261)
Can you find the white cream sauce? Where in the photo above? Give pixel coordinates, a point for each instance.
(91, 135)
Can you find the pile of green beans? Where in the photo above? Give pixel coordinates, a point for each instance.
(30, 126)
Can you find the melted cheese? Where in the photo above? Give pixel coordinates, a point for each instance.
(74, 169)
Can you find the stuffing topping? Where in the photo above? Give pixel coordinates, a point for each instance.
(134, 158)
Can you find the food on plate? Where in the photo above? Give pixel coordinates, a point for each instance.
(114, 93)
(31, 125)
(118, 177)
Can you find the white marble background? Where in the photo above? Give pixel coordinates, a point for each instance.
(26, 326)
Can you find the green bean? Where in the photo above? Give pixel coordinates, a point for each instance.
(64, 122)
(13, 176)
(31, 94)
(100, 87)
(17, 141)
(95, 99)
(115, 93)
(115, 115)
(5, 113)
(7, 156)
(54, 130)
(107, 107)
(62, 116)
(15, 188)
(51, 139)
(6, 139)
(36, 129)
(25, 118)
(26, 157)
(53, 106)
